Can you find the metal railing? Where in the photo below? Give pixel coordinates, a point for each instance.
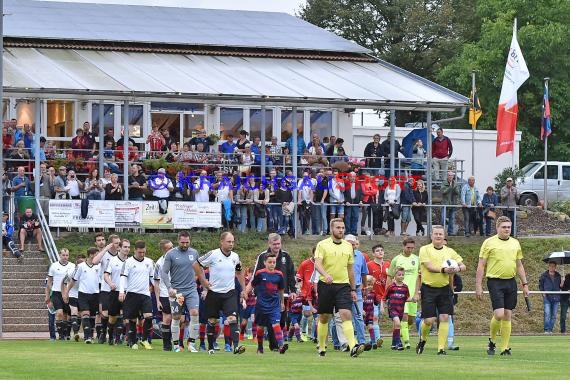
(47, 238)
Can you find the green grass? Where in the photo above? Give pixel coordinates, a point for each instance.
(533, 357)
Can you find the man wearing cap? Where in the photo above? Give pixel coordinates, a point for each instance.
(510, 198)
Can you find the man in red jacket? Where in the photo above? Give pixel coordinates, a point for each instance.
(441, 150)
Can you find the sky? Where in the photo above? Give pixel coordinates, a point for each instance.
(287, 6)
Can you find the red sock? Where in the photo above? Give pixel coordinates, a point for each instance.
(202, 332)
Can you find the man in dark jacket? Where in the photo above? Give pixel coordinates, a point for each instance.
(373, 154)
(352, 202)
(550, 280)
(284, 265)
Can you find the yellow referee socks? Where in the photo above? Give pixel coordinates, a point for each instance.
(505, 334)
(495, 327)
(405, 331)
(425, 330)
(322, 332)
(442, 332)
(348, 330)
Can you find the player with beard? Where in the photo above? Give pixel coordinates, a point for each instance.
(178, 276)
(336, 287)
(112, 278)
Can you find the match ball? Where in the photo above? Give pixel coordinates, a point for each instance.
(450, 263)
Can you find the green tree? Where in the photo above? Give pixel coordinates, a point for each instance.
(542, 33)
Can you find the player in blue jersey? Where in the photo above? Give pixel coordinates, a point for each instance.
(269, 287)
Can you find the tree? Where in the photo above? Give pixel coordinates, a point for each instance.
(543, 34)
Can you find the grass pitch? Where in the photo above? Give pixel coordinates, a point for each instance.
(533, 357)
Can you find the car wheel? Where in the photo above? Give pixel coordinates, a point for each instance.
(528, 200)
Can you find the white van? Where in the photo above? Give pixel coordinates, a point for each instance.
(531, 186)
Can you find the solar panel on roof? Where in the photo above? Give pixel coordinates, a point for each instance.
(111, 22)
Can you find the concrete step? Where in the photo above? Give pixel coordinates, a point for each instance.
(26, 320)
(27, 252)
(27, 261)
(40, 275)
(36, 327)
(24, 282)
(16, 313)
(23, 303)
(20, 268)
(27, 289)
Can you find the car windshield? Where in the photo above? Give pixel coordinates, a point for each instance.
(530, 167)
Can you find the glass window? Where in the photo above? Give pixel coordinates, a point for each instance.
(59, 119)
(135, 118)
(193, 123)
(286, 120)
(231, 121)
(321, 123)
(108, 119)
(552, 172)
(566, 173)
(255, 123)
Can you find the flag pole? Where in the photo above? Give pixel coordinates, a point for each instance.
(545, 153)
(474, 124)
(513, 151)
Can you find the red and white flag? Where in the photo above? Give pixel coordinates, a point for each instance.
(516, 73)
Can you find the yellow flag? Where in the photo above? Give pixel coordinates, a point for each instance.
(475, 111)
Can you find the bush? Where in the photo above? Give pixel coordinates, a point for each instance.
(562, 206)
(501, 178)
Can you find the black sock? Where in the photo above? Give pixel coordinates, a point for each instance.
(97, 328)
(234, 331)
(111, 329)
(59, 328)
(74, 324)
(132, 332)
(87, 331)
(147, 328)
(210, 333)
(119, 328)
(104, 324)
(166, 336)
(67, 328)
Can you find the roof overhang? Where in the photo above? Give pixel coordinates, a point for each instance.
(112, 75)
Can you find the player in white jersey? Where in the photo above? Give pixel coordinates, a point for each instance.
(73, 294)
(112, 278)
(221, 295)
(87, 275)
(56, 275)
(134, 292)
(105, 254)
(161, 295)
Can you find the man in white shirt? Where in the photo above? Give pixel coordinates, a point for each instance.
(202, 187)
(88, 276)
(58, 271)
(161, 295)
(221, 294)
(112, 278)
(74, 185)
(134, 292)
(161, 186)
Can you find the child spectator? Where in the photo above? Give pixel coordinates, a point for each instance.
(397, 295)
(7, 232)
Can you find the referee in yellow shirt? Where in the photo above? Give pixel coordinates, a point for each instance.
(436, 290)
(336, 288)
(501, 256)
